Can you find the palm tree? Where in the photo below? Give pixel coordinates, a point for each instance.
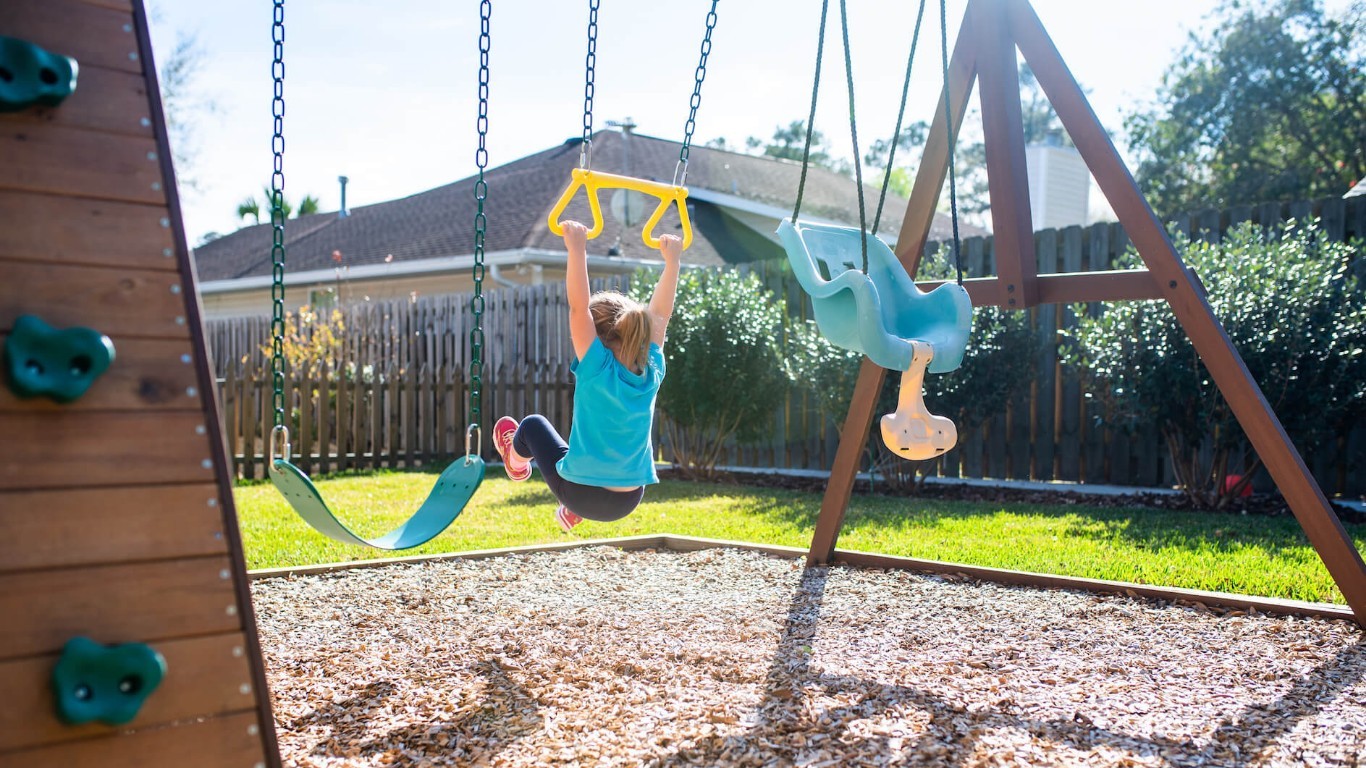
(253, 207)
(249, 207)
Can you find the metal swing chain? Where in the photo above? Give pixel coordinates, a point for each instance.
(900, 116)
(590, 62)
(811, 119)
(853, 132)
(277, 222)
(681, 172)
(481, 189)
(952, 140)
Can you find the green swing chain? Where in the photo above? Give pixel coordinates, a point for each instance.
(952, 139)
(681, 172)
(590, 62)
(900, 116)
(481, 189)
(277, 222)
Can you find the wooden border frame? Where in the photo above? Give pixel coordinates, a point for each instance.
(853, 559)
(985, 50)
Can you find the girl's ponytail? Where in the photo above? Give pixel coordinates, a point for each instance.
(624, 327)
(633, 330)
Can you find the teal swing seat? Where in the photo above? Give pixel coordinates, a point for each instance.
(454, 489)
(879, 314)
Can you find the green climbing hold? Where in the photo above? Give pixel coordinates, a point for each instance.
(41, 360)
(107, 683)
(31, 76)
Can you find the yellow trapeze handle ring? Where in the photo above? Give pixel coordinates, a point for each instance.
(592, 181)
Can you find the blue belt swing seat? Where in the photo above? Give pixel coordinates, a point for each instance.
(458, 482)
(862, 297)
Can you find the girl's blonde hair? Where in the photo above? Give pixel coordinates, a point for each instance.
(623, 324)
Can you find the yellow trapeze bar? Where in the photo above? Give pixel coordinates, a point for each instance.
(592, 181)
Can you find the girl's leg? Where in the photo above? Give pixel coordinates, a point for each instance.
(537, 438)
(600, 504)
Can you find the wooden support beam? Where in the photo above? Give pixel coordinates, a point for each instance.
(1182, 292)
(1003, 136)
(934, 161)
(1065, 287)
(853, 436)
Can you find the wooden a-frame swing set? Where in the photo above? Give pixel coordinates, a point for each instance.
(117, 504)
(984, 52)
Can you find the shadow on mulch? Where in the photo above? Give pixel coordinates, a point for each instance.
(504, 703)
(785, 717)
(1268, 504)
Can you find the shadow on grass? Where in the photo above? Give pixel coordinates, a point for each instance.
(786, 716)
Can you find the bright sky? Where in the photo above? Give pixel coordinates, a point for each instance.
(384, 93)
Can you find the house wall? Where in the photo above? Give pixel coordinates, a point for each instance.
(1059, 184)
(256, 302)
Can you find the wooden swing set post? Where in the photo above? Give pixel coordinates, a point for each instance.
(915, 228)
(991, 31)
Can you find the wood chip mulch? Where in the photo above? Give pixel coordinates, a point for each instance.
(730, 658)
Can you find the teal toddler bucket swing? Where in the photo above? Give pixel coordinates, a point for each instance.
(862, 297)
(457, 484)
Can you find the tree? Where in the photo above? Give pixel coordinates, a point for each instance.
(184, 103)
(249, 207)
(1041, 124)
(725, 374)
(1294, 311)
(911, 138)
(789, 143)
(252, 207)
(1268, 104)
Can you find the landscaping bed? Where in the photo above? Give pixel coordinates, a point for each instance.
(721, 657)
(1271, 504)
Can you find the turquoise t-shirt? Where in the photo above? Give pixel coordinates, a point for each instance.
(614, 414)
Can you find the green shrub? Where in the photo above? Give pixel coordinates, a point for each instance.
(725, 376)
(1294, 312)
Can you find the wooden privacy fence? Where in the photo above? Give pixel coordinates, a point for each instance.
(387, 418)
(393, 395)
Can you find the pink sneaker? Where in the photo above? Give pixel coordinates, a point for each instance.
(566, 519)
(517, 467)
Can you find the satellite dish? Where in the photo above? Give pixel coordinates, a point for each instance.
(628, 207)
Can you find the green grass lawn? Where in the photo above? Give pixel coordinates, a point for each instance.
(1223, 552)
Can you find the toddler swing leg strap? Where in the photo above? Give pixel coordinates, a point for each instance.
(912, 432)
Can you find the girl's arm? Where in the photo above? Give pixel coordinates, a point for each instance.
(662, 302)
(581, 328)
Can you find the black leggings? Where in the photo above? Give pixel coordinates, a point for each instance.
(538, 439)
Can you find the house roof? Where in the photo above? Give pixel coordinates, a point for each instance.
(439, 222)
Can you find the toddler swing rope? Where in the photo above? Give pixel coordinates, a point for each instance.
(862, 298)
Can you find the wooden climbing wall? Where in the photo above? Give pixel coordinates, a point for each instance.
(116, 511)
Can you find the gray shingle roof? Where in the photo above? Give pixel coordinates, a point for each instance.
(439, 222)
